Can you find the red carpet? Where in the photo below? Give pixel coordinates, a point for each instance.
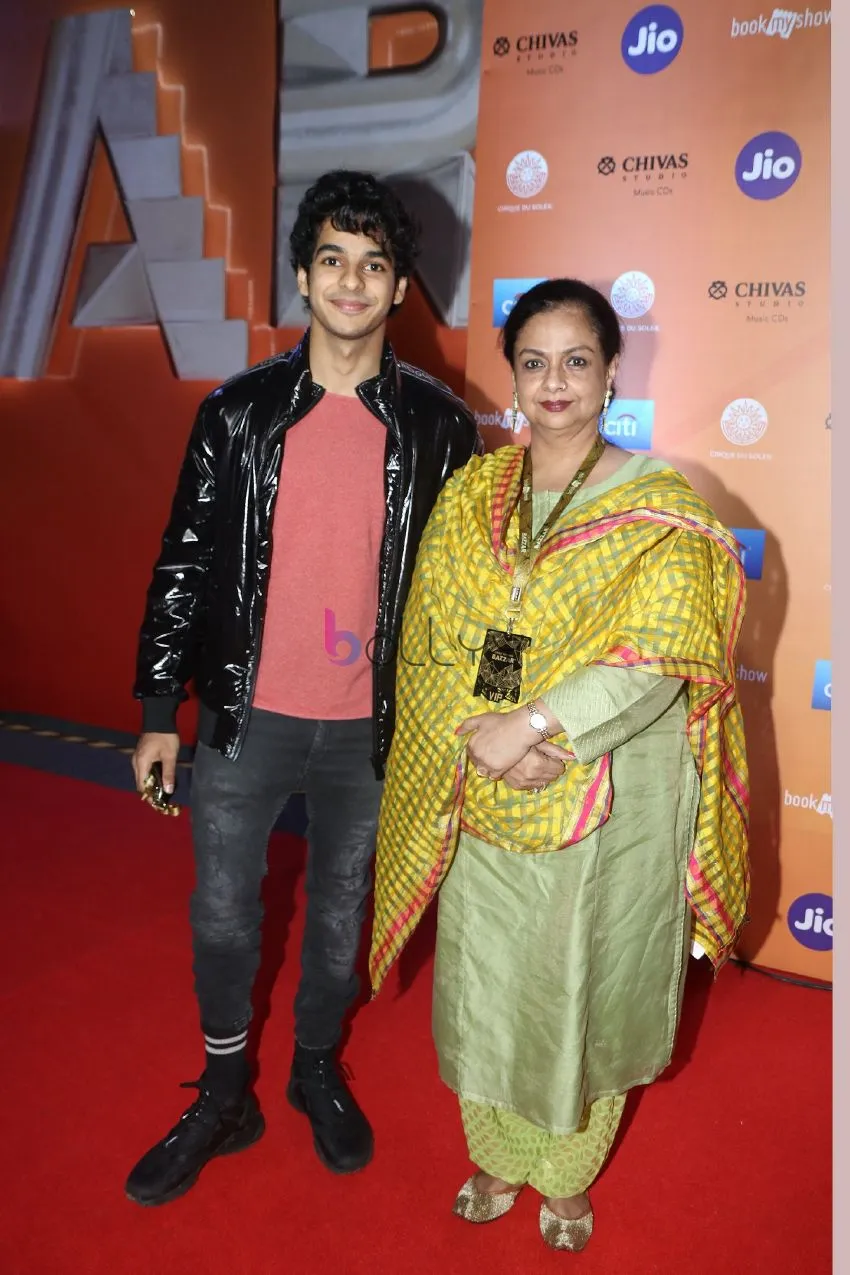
(725, 1165)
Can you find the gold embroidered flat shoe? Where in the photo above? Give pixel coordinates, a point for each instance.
(483, 1206)
(566, 1233)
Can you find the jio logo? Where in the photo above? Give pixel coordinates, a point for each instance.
(810, 921)
(768, 165)
(652, 39)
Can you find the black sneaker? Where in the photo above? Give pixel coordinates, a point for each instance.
(206, 1130)
(317, 1087)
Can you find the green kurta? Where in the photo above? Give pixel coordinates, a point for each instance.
(559, 976)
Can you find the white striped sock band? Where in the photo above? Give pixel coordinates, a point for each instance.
(220, 1045)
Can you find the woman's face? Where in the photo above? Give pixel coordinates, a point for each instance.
(561, 373)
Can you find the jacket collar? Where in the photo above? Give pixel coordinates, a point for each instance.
(380, 393)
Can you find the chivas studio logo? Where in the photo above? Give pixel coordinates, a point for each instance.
(761, 300)
(647, 175)
(538, 52)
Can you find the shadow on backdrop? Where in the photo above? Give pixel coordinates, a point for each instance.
(767, 607)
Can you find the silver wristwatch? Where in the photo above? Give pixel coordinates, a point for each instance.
(536, 720)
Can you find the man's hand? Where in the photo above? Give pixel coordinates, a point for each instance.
(155, 746)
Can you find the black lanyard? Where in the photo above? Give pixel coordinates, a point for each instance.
(529, 545)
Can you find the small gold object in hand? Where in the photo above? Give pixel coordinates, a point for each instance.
(155, 795)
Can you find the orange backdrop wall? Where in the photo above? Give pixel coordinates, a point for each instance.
(590, 161)
(620, 143)
(90, 452)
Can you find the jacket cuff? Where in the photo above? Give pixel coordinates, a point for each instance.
(159, 713)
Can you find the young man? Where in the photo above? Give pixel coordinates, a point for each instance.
(279, 589)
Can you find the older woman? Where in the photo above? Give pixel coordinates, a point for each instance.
(568, 769)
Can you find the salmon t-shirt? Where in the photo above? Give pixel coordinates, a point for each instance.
(327, 532)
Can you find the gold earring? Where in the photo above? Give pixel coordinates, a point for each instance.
(515, 412)
(603, 417)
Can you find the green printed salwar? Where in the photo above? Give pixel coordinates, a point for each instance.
(557, 1165)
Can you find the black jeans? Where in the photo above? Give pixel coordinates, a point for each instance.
(235, 805)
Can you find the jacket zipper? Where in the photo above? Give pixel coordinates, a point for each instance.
(393, 430)
(378, 761)
(255, 652)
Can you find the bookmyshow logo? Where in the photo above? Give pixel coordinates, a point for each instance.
(502, 420)
(782, 23)
(757, 675)
(821, 805)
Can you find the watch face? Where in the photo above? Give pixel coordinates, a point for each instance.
(538, 721)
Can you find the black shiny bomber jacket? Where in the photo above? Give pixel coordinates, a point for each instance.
(206, 603)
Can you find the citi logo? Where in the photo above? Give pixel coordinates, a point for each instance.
(811, 922)
(822, 688)
(768, 165)
(751, 542)
(630, 424)
(652, 39)
(820, 805)
(506, 293)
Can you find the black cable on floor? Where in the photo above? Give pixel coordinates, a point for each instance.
(782, 978)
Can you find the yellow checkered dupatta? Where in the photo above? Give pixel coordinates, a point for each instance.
(642, 576)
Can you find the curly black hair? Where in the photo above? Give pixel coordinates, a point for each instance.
(357, 204)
